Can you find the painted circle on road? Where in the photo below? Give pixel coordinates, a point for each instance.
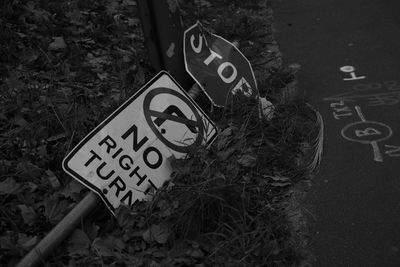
(366, 132)
(347, 69)
(182, 119)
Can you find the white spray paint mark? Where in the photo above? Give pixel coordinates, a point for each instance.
(351, 69)
(359, 113)
(377, 152)
(368, 132)
(392, 151)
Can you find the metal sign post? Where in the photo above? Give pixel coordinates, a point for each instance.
(62, 230)
(163, 31)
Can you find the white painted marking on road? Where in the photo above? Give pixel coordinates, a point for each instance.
(370, 133)
(377, 152)
(347, 69)
(392, 151)
(351, 69)
(359, 113)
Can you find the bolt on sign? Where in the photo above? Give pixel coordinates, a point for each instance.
(126, 156)
(217, 65)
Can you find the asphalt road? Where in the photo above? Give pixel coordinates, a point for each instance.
(350, 56)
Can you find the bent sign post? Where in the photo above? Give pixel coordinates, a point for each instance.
(126, 156)
(217, 65)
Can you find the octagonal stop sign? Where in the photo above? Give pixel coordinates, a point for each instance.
(217, 65)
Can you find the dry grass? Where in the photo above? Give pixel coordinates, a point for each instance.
(233, 199)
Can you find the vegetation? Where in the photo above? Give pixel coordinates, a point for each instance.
(66, 65)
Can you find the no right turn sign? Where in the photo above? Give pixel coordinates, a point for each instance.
(126, 156)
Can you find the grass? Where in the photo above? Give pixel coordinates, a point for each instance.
(233, 199)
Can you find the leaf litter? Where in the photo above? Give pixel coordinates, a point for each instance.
(67, 65)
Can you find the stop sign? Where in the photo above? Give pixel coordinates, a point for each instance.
(217, 65)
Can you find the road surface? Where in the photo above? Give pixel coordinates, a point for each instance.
(350, 56)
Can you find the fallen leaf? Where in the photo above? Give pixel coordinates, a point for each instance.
(226, 137)
(9, 186)
(279, 181)
(54, 182)
(203, 3)
(225, 154)
(7, 242)
(158, 233)
(129, 3)
(57, 44)
(54, 209)
(102, 76)
(5, 165)
(57, 137)
(112, 7)
(279, 178)
(92, 230)
(247, 160)
(124, 216)
(28, 214)
(79, 243)
(108, 246)
(3, 117)
(21, 34)
(266, 109)
(97, 62)
(30, 243)
(74, 17)
(39, 15)
(13, 81)
(278, 184)
(133, 21)
(155, 252)
(42, 151)
(102, 248)
(72, 190)
(197, 253)
(32, 186)
(29, 170)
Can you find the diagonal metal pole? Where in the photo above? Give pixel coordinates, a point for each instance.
(62, 230)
